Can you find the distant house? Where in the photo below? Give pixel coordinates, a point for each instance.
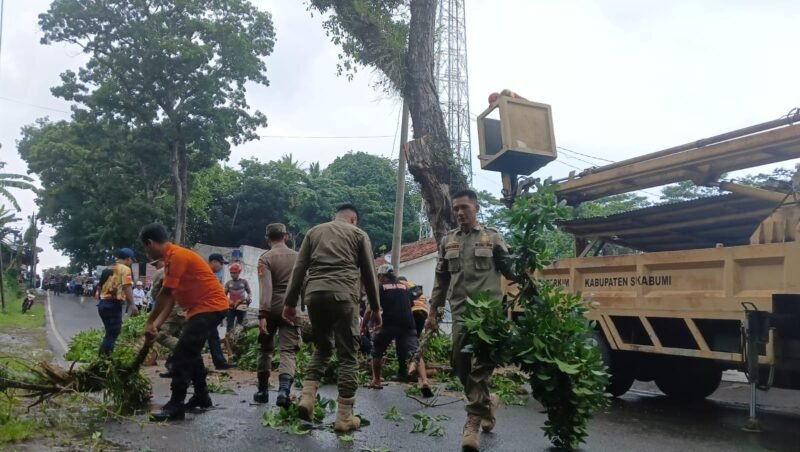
(417, 263)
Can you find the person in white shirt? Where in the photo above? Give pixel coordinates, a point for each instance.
(138, 295)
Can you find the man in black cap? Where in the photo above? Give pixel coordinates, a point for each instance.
(116, 288)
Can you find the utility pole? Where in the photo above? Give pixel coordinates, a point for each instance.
(2, 283)
(34, 233)
(400, 196)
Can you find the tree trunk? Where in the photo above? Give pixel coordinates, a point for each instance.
(180, 173)
(430, 159)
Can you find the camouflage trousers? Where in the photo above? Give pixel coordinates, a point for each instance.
(473, 374)
(334, 325)
(170, 330)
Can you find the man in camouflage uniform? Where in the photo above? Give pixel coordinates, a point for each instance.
(471, 260)
(274, 270)
(170, 330)
(332, 259)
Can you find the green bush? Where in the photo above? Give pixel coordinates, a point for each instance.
(127, 391)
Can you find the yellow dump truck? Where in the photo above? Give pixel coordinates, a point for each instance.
(700, 286)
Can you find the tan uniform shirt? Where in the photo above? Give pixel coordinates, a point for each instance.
(155, 288)
(274, 271)
(469, 263)
(333, 257)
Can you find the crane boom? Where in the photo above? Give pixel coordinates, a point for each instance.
(702, 162)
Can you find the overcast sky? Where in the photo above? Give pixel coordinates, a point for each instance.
(624, 78)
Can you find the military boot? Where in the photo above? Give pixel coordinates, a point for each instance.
(262, 396)
(172, 411)
(284, 390)
(488, 423)
(345, 421)
(305, 406)
(471, 439)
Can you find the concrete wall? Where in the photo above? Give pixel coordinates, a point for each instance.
(249, 265)
(420, 272)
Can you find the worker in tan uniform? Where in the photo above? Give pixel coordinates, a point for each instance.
(332, 259)
(170, 330)
(274, 270)
(472, 259)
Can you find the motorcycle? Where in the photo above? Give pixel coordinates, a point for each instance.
(28, 302)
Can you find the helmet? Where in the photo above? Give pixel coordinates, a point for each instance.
(236, 268)
(139, 283)
(385, 269)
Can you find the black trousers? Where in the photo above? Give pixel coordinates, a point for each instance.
(187, 360)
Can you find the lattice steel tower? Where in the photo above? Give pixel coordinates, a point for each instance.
(452, 83)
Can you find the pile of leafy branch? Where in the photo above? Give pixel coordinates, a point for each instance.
(246, 349)
(551, 340)
(288, 420)
(509, 388)
(118, 376)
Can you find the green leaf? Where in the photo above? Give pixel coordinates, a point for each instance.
(570, 369)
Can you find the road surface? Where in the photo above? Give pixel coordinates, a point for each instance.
(642, 420)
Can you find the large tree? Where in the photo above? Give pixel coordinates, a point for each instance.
(234, 206)
(179, 65)
(100, 182)
(397, 37)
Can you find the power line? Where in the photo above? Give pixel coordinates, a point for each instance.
(329, 137)
(580, 160)
(586, 155)
(33, 105)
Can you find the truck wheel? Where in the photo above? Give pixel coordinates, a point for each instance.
(621, 372)
(689, 380)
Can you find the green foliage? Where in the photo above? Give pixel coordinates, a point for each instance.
(182, 83)
(13, 426)
(393, 415)
(127, 391)
(217, 385)
(550, 342)
(84, 346)
(509, 388)
(450, 381)
(371, 34)
(429, 424)
(287, 420)
(440, 349)
(233, 203)
(13, 181)
(686, 191)
(246, 350)
(92, 215)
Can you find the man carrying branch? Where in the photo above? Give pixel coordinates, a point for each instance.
(189, 281)
(471, 260)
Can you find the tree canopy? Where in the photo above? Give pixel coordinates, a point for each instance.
(180, 66)
(101, 183)
(397, 38)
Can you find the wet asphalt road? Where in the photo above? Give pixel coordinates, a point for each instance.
(642, 420)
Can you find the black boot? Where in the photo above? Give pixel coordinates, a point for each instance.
(168, 366)
(202, 401)
(284, 390)
(262, 396)
(172, 411)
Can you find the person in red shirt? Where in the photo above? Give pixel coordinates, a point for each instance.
(188, 281)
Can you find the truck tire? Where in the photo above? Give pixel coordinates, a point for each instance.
(689, 380)
(621, 372)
